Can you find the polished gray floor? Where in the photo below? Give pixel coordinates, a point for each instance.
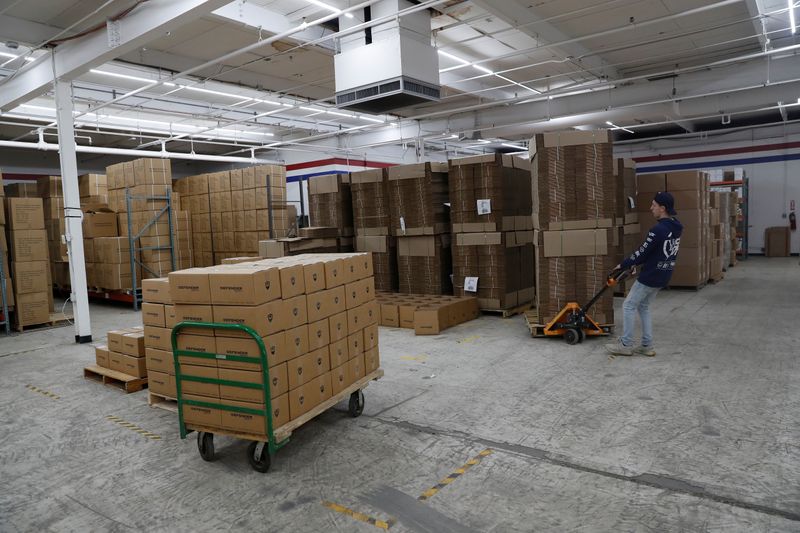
(703, 437)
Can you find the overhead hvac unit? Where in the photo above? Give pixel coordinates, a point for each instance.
(390, 65)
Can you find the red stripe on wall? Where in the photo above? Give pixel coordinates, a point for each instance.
(339, 161)
(712, 153)
(21, 177)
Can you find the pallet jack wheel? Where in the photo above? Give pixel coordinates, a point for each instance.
(571, 336)
(581, 335)
(205, 445)
(356, 406)
(258, 456)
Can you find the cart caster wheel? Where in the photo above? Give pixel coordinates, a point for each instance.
(582, 335)
(205, 445)
(356, 406)
(258, 456)
(571, 336)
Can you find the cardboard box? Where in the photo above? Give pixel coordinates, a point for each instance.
(157, 290)
(114, 338)
(92, 185)
(325, 304)
(100, 225)
(101, 356)
(154, 315)
(359, 292)
(32, 308)
(339, 353)
(28, 245)
(390, 315)
(687, 200)
(651, 183)
(319, 334)
(132, 344)
(357, 368)
(132, 366)
(210, 390)
(169, 316)
(575, 243)
(372, 360)
(297, 341)
(194, 313)
(313, 393)
(370, 337)
(159, 360)
(244, 286)
(159, 338)
(340, 378)
(278, 384)
(275, 344)
(265, 319)
(49, 186)
(29, 276)
(335, 273)
(190, 286)
(200, 416)
(25, 214)
(296, 310)
(301, 370)
(355, 344)
(161, 383)
(687, 180)
(253, 424)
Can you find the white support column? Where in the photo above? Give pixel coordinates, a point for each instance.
(72, 212)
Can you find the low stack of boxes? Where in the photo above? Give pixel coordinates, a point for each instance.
(316, 314)
(158, 317)
(30, 267)
(690, 189)
(231, 211)
(318, 244)
(124, 352)
(491, 213)
(4, 249)
(575, 200)
(420, 220)
(147, 179)
(627, 230)
(424, 313)
(372, 222)
(331, 204)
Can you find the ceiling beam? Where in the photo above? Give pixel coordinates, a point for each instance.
(73, 58)
(24, 31)
(754, 10)
(520, 16)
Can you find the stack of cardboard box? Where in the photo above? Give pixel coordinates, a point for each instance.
(231, 211)
(30, 266)
(273, 248)
(625, 238)
(331, 203)
(4, 249)
(575, 199)
(719, 234)
(158, 317)
(690, 189)
(22, 190)
(424, 313)
(372, 221)
(733, 237)
(420, 220)
(50, 191)
(124, 352)
(93, 190)
(491, 213)
(318, 319)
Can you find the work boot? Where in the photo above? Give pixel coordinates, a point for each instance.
(619, 349)
(645, 350)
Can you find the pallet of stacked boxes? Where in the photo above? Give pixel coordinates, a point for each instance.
(158, 317)
(491, 213)
(420, 220)
(4, 251)
(424, 313)
(734, 222)
(626, 233)
(318, 319)
(372, 222)
(30, 264)
(49, 190)
(121, 362)
(331, 206)
(719, 218)
(575, 197)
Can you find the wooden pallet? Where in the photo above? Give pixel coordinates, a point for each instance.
(688, 287)
(113, 378)
(716, 279)
(505, 313)
(285, 431)
(162, 402)
(55, 320)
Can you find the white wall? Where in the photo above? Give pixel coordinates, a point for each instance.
(773, 185)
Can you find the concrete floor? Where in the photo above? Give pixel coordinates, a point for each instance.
(704, 437)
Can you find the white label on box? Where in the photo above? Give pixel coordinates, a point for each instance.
(403, 224)
(471, 284)
(484, 207)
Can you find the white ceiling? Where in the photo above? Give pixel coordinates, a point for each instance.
(548, 46)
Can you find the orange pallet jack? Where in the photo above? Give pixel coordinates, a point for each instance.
(573, 322)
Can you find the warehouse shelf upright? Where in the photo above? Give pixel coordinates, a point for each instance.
(741, 188)
(3, 299)
(133, 239)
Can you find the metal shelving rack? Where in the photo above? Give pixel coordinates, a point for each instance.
(5, 322)
(743, 217)
(134, 239)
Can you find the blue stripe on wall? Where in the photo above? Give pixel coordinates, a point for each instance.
(298, 177)
(720, 163)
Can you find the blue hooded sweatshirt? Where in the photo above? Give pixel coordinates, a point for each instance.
(658, 253)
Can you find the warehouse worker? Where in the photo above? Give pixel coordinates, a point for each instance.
(657, 256)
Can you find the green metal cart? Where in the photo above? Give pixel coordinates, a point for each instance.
(259, 453)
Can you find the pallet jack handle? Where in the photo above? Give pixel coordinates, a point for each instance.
(613, 278)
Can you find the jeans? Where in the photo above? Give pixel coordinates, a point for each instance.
(638, 300)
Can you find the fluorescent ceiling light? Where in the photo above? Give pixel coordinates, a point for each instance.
(507, 145)
(12, 56)
(270, 102)
(218, 93)
(370, 119)
(618, 127)
(454, 58)
(483, 69)
(332, 9)
(310, 109)
(338, 114)
(792, 23)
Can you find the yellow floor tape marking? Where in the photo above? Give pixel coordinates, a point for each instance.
(133, 427)
(469, 340)
(43, 392)
(428, 494)
(414, 357)
(361, 517)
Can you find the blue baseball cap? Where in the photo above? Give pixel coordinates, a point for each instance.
(665, 200)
